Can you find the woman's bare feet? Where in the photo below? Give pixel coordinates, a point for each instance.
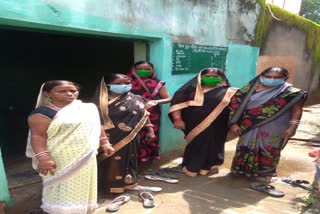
(187, 172)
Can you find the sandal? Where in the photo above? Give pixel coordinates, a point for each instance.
(270, 190)
(177, 169)
(117, 202)
(147, 188)
(147, 198)
(160, 178)
(165, 173)
(213, 171)
(298, 183)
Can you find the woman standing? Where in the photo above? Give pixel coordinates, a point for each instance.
(124, 115)
(63, 142)
(199, 109)
(145, 84)
(265, 113)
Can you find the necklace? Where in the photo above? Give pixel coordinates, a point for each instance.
(54, 107)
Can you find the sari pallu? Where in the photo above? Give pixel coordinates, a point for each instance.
(263, 117)
(119, 172)
(149, 89)
(206, 119)
(73, 140)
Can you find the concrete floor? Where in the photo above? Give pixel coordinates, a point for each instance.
(219, 193)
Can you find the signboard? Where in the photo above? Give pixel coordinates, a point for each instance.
(191, 58)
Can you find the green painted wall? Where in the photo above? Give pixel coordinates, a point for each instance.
(241, 71)
(160, 23)
(4, 193)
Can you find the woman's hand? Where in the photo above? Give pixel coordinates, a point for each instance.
(45, 165)
(235, 129)
(179, 124)
(150, 104)
(289, 132)
(150, 135)
(107, 149)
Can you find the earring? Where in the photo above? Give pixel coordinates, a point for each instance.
(48, 99)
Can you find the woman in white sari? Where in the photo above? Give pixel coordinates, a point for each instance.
(63, 142)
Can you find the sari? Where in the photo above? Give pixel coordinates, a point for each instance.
(148, 88)
(263, 117)
(126, 117)
(73, 140)
(206, 119)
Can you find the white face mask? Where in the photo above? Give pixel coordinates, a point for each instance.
(120, 89)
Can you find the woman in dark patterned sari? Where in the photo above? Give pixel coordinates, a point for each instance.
(265, 113)
(199, 109)
(145, 84)
(124, 115)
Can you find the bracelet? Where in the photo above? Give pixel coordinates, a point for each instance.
(105, 144)
(104, 138)
(148, 125)
(177, 119)
(41, 154)
(294, 122)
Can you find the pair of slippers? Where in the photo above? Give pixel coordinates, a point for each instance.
(268, 189)
(297, 183)
(146, 197)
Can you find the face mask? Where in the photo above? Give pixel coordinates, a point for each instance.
(271, 82)
(144, 73)
(210, 81)
(119, 89)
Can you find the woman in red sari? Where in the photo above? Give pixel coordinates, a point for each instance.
(145, 84)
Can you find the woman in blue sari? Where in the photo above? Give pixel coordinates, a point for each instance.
(264, 113)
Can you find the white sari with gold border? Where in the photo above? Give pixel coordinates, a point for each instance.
(73, 140)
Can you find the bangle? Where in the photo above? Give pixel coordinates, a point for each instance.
(105, 144)
(41, 154)
(148, 125)
(294, 122)
(177, 119)
(104, 138)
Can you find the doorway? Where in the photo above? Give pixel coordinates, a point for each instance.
(30, 58)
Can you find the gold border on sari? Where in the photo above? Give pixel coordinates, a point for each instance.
(128, 138)
(197, 101)
(212, 116)
(103, 104)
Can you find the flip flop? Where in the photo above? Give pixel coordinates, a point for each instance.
(166, 174)
(296, 182)
(117, 202)
(265, 188)
(147, 188)
(160, 178)
(147, 198)
(177, 169)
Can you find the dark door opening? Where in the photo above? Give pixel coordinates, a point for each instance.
(30, 58)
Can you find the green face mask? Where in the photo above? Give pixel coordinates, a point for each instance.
(210, 81)
(143, 73)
